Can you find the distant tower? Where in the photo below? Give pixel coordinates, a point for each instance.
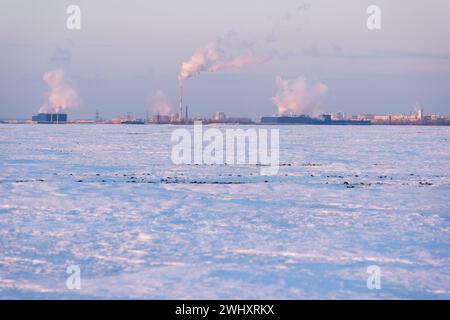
(186, 112)
(97, 116)
(57, 115)
(180, 112)
(419, 113)
(219, 116)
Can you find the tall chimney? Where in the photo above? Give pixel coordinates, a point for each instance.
(180, 113)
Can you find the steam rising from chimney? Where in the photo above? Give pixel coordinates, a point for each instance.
(159, 103)
(296, 97)
(62, 96)
(214, 57)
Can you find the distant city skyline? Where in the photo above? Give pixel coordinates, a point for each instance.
(418, 117)
(126, 52)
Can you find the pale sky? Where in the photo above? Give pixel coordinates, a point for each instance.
(127, 50)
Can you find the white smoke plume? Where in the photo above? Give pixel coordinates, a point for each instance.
(159, 103)
(296, 97)
(216, 56)
(62, 96)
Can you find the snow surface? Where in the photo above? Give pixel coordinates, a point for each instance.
(109, 199)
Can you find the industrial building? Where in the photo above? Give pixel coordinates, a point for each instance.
(50, 118)
(305, 119)
(127, 120)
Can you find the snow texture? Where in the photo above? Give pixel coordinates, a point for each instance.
(108, 199)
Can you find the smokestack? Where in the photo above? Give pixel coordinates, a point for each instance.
(180, 113)
(214, 57)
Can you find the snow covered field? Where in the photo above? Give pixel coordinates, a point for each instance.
(108, 199)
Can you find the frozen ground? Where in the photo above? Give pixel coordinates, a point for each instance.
(108, 198)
